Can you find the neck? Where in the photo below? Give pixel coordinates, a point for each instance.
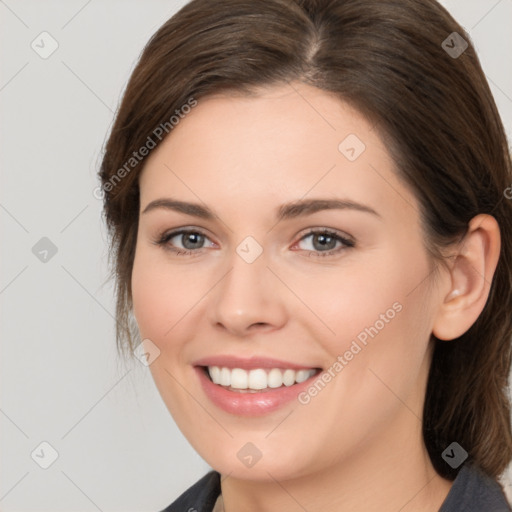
(393, 472)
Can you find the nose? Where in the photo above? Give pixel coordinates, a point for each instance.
(248, 299)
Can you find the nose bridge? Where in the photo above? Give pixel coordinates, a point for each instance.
(247, 294)
(245, 282)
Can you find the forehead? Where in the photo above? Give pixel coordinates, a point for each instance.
(288, 140)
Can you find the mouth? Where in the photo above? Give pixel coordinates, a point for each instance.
(253, 386)
(257, 380)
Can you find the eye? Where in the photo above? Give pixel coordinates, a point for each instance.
(324, 241)
(192, 241)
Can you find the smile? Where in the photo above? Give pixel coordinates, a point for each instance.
(253, 386)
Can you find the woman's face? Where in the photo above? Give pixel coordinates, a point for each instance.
(251, 282)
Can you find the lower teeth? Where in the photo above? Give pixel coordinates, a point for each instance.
(229, 388)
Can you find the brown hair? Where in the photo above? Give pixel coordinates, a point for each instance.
(434, 109)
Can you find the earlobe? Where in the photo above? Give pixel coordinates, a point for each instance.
(470, 278)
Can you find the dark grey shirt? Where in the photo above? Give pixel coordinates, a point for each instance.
(472, 491)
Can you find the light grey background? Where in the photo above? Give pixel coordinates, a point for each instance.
(61, 380)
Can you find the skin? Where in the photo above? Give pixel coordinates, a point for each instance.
(357, 445)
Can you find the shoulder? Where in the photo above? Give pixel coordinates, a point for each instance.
(200, 497)
(474, 491)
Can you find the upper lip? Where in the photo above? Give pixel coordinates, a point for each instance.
(229, 361)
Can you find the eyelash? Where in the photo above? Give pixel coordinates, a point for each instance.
(163, 241)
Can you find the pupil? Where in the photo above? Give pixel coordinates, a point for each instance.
(324, 240)
(192, 236)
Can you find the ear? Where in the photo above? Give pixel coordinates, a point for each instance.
(469, 280)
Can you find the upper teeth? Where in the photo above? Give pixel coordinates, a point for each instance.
(259, 378)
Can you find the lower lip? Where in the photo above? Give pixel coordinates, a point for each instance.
(250, 404)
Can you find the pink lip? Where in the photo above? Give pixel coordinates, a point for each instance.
(251, 404)
(251, 363)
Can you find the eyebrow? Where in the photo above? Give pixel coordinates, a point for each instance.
(284, 212)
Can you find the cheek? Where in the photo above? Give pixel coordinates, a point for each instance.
(375, 315)
(158, 296)
(384, 329)
(355, 297)
(161, 299)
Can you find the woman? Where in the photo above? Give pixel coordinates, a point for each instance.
(309, 224)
